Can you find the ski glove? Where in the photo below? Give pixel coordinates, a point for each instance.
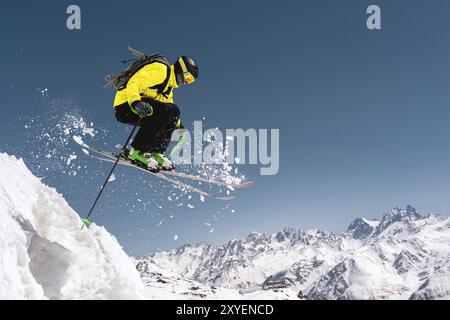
(143, 109)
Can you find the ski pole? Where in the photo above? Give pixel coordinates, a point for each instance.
(179, 143)
(86, 221)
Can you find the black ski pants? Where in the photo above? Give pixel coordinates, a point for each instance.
(155, 131)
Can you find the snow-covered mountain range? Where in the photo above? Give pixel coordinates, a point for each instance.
(401, 256)
(44, 254)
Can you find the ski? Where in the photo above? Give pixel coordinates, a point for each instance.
(200, 179)
(179, 174)
(175, 182)
(109, 157)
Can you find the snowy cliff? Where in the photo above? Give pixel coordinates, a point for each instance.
(43, 253)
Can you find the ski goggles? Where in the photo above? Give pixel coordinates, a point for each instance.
(187, 76)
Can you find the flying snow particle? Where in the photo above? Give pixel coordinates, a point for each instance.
(71, 157)
(231, 188)
(175, 237)
(78, 140)
(89, 131)
(42, 91)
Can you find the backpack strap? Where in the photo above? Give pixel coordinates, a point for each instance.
(160, 87)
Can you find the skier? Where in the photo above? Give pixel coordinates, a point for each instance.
(148, 96)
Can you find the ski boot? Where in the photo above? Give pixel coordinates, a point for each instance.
(143, 159)
(163, 161)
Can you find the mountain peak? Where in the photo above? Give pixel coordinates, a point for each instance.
(397, 215)
(361, 228)
(410, 210)
(255, 237)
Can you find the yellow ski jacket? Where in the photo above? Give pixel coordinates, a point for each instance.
(139, 86)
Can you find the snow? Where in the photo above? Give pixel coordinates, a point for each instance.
(53, 131)
(70, 158)
(372, 223)
(45, 255)
(78, 140)
(42, 91)
(89, 131)
(182, 288)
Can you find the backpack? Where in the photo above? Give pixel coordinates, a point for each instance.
(120, 80)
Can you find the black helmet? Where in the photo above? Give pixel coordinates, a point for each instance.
(186, 70)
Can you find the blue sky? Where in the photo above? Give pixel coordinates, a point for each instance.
(363, 115)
